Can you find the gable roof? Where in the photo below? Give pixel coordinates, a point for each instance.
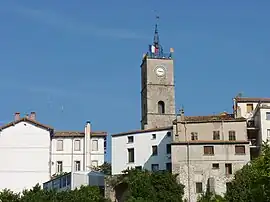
(25, 119)
(78, 134)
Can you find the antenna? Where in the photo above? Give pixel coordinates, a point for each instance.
(156, 36)
(156, 49)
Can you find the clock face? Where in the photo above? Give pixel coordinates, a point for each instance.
(160, 70)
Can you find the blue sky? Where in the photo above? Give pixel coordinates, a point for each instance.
(71, 62)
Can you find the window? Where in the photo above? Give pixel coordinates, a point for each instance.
(267, 115)
(144, 108)
(59, 166)
(240, 149)
(94, 145)
(194, 136)
(208, 150)
(268, 134)
(77, 165)
(155, 167)
(63, 182)
(169, 134)
(169, 148)
(215, 166)
(94, 163)
(59, 145)
(232, 135)
(138, 167)
(105, 144)
(161, 107)
(130, 139)
(77, 145)
(249, 108)
(154, 150)
(216, 135)
(228, 185)
(169, 167)
(131, 155)
(154, 136)
(68, 179)
(199, 187)
(228, 168)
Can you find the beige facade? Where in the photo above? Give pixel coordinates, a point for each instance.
(207, 151)
(257, 112)
(157, 92)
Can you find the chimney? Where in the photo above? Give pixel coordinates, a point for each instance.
(88, 128)
(17, 116)
(87, 146)
(33, 116)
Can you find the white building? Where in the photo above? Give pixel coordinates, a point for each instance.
(24, 153)
(77, 151)
(143, 149)
(31, 152)
(73, 180)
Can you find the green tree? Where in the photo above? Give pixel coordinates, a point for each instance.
(252, 182)
(9, 196)
(145, 186)
(36, 194)
(105, 168)
(211, 197)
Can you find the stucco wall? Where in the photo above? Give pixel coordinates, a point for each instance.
(142, 145)
(24, 156)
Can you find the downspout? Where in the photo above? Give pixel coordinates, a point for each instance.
(50, 154)
(188, 165)
(72, 163)
(223, 139)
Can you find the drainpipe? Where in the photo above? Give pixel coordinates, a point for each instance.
(50, 155)
(188, 163)
(72, 163)
(223, 139)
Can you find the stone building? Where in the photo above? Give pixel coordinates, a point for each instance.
(157, 87)
(207, 151)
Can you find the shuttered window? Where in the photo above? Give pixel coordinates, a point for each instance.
(208, 150)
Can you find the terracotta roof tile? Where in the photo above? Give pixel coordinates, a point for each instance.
(250, 99)
(143, 131)
(212, 118)
(78, 134)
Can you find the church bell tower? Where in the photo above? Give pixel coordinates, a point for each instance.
(157, 87)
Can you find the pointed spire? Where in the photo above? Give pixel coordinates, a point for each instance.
(156, 49)
(156, 36)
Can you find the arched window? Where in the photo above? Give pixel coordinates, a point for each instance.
(161, 107)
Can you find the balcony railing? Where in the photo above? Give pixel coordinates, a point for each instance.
(159, 55)
(253, 142)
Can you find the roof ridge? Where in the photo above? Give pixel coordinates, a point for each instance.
(27, 120)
